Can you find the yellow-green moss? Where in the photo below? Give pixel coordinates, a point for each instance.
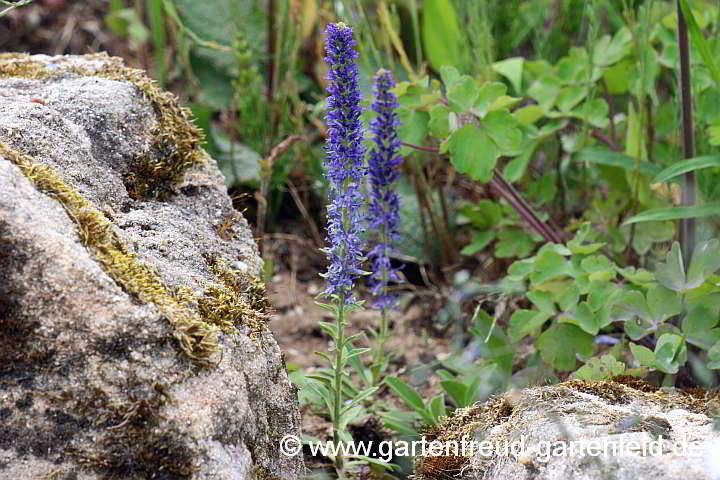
(176, 141)
(234, 299)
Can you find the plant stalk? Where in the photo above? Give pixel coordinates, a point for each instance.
(338, 380)
(687, 227)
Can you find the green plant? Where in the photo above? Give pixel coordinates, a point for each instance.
(676, 309)
(429, 412)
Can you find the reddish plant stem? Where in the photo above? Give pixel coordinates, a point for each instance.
(421, 147)
(509, 193)
(687, 227)
(606, 140)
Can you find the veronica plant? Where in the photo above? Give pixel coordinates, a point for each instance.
(384, 213)
(345, 171)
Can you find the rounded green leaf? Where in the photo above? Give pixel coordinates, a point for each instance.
(473, 153)
(560, 343)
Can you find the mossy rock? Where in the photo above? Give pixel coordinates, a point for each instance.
(138, 345)
(623, 429)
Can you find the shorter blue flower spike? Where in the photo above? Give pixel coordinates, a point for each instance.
(384, 214)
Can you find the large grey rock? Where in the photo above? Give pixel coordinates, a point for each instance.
(132, 327)
(582, 431)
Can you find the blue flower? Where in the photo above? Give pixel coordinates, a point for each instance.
(344, 164)
(384, 213)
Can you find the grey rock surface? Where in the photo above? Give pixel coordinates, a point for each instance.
(94, 379)
(587, 431)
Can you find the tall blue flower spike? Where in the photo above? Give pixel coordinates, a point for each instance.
(344, 164)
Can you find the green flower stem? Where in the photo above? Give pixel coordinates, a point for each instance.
(383, 335)
(339, 373)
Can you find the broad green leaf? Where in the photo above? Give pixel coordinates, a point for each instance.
(570, 97)
(545, 91)
(549, 265)
(595, 112)
(126, 23)
(214, 78)
(558, 248)
(572, 69)
(684, 166)
(584, 318)
(502, 128)
(458, 391)
(632, 308)
(596, 263)
(670, 353)
(463, 95)
(676, 213)
(480, 240)
(529, 114)
(450, 76)
(643, 73)
(699, 326)
(615, 159)
(437, 406)
(513, 242)
(406, 392)
(209, 20)
(515, 168)
(568, 298)
(473, 152)
(602, 294)
(542, 300)
(512, 69)
(442, 38)
(671, 273)
(439, 124)
(643, 355)
(608, 51)
(617, 77)
(522, 268)
(560, 343)
(705, 260)
(632, 304)
(663, 303)
(504, 102)
(523, 322)
(487, 94)
(483, 214)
